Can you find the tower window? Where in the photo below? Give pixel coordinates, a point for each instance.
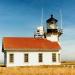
(25, 57)
(11, 58)
(51, 22)
(54, 57)
(38, 31)
(40, 57)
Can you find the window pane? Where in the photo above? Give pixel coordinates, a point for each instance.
(54, 57)
(11, 58)
(59, 57)
(25, 57)
(40, 57)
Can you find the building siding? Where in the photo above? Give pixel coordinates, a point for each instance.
(52, 37)
(33, 59)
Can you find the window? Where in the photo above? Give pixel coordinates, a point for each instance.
(25, 57)
(54, 57)
(52, 22)
(11, 58)
(59, 57)
(38, 31)
(40, 57)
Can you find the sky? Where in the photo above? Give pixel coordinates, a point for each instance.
(19, 18)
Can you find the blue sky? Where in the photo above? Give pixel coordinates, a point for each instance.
(21, 17)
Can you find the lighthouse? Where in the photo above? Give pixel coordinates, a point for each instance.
(52, 31)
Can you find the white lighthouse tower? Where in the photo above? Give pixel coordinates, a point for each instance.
(52, 32)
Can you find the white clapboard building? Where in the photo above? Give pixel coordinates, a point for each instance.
(42, 49)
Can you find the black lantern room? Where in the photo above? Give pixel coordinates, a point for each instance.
(51, 20)
(51, 24)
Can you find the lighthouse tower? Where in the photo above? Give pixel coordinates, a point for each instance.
(52, 32)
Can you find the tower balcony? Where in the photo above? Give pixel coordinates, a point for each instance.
(60, 31)
(55, 31)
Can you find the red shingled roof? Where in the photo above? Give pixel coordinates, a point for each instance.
(16, 43)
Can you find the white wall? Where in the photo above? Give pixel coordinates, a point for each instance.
(33, 59)
(52, 37)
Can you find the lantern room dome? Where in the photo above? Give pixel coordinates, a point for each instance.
(51, 19)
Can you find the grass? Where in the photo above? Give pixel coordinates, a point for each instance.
(40, 70)
(37, 71)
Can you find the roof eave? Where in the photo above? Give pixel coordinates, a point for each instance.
(29, 49)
